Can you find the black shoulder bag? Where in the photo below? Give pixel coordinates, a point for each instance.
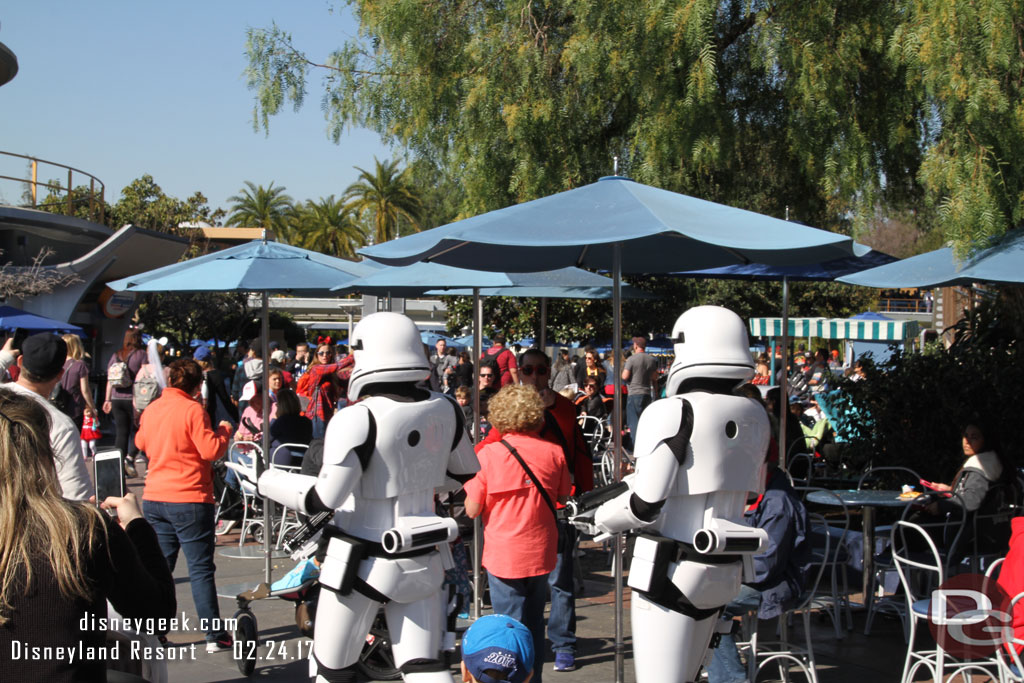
(532, 476)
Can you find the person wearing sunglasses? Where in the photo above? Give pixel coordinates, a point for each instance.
(561, 429)
(488, 385)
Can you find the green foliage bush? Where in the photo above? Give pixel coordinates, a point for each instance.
(911, 409)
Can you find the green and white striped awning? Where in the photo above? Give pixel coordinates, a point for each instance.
(837, 328)
(798, 327)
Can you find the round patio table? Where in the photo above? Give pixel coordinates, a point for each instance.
(868, 500)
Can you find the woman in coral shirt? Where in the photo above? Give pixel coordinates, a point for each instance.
(176, 434)
(520, 534)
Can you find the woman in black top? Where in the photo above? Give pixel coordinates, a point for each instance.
(290, 426)
(60, 562)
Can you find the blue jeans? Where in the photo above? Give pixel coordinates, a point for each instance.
(523, 600)
(562, 620)
(189, 527)
(635, 404)
(236, 456)
(726, 666)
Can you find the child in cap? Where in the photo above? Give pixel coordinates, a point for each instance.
(497, 648)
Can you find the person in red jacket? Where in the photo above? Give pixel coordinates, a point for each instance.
(562, 429)
(176, 434)
(1011, 579)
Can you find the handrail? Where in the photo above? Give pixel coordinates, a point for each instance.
(907, 305)
(69, 205)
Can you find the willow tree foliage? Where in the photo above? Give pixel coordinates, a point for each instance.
(831, 108)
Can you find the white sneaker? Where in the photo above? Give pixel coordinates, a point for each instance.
(222, 644)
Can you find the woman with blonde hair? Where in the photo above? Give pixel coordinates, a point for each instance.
(60, 561)
(520, 476)
(75, 381)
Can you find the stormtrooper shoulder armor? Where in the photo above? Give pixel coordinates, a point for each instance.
(667, 421)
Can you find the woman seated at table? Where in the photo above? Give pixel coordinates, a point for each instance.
(982, 485)
(982, 468)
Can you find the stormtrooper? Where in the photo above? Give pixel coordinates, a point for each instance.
(700, 452)
(384, 458)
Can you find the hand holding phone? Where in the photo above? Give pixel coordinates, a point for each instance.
(126, 507)
(108, 473)
(20, 334)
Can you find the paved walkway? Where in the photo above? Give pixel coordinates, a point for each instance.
(282, 651)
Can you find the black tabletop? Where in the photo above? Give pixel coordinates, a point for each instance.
(855, 498)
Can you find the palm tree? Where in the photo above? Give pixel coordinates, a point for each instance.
(262, 207)
(386, 199)
(330, 226)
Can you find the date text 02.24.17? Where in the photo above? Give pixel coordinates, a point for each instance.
(272, 650)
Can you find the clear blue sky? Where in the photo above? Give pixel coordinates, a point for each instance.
(120, 89)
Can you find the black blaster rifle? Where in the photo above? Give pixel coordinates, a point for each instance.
(585, 504)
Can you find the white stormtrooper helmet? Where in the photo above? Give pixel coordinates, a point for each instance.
(710, 342)
(387, 348)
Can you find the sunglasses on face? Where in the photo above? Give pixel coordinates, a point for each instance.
(323, 353)
(488, 376)
(528, 370)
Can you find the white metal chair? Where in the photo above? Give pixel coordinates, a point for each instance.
(783, 652)
(835, 599)
(950, 528)
(800, 467)
(874, 602)
(919, 576)
(289, 518)
(252, 518)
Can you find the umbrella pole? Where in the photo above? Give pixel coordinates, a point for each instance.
(784, 381)
(478, 325)
(620, 660)
(268, 505)
(542, 338)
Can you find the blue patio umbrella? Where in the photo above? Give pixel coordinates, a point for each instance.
(257, 266)
(1002, 263)
(435, 279)
(620, 226)
(12, 318)
(828, 270)
(665, 232)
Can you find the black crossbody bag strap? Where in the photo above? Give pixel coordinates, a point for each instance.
(533, 478)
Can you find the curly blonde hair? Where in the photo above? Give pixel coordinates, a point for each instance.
(516, 409)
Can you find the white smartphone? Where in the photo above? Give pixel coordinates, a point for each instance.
(108, 473)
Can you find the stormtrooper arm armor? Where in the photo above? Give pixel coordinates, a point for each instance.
(462, 463)
(668, 425)
(348, 444)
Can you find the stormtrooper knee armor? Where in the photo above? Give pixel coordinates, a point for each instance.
(700, 452)
(384, 458)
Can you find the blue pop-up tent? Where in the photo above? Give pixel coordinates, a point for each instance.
(12, 318)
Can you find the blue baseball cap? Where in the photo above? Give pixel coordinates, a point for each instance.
(498, 643)
(201, 353)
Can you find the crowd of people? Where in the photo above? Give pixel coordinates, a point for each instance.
(180, 415)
